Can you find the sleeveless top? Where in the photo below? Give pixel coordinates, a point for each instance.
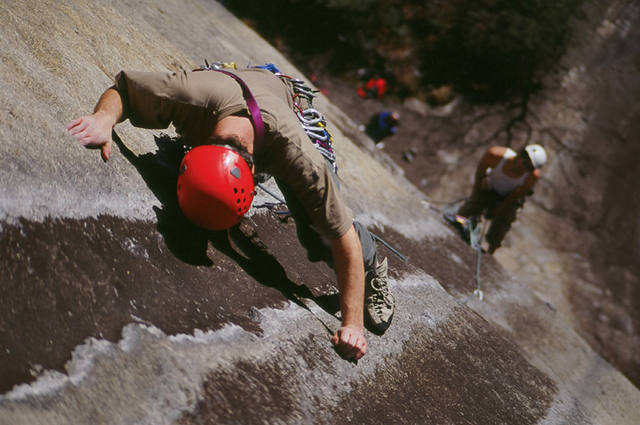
(500, 182)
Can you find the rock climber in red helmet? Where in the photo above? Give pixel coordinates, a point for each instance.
(243, 126)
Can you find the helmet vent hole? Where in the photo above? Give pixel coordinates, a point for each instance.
(214, 187)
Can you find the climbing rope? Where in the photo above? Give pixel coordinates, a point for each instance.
(476, 243)
(273, 195)
(475, 234)
(392, 249)
(272, 206)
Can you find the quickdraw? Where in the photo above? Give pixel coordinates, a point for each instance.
(313, 122)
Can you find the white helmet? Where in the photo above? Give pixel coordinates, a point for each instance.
(537, 155)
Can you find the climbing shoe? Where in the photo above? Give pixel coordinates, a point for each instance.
(378, 302)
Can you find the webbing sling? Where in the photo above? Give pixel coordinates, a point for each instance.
(254, 110)
(252, 105)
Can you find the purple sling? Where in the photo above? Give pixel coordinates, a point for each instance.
(254, 110)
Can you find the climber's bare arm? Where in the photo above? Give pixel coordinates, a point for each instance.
(94, 131)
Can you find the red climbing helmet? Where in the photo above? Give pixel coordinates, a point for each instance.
(215, 187)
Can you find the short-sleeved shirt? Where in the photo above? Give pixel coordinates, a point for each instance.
(195, 101)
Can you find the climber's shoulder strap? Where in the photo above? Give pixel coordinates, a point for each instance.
(252, 105)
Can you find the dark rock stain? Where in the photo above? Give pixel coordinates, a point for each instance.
(66, 280)
(462, 372)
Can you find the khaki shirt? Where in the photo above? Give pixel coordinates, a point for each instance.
(195, 101)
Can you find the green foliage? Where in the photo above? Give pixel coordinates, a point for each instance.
(303, 29)
(497, 48)
(488, 49)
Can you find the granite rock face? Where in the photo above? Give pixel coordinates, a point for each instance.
(117, 310)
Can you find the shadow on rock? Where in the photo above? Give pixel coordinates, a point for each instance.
(160, 172)
(189, 242)
(262, 265)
